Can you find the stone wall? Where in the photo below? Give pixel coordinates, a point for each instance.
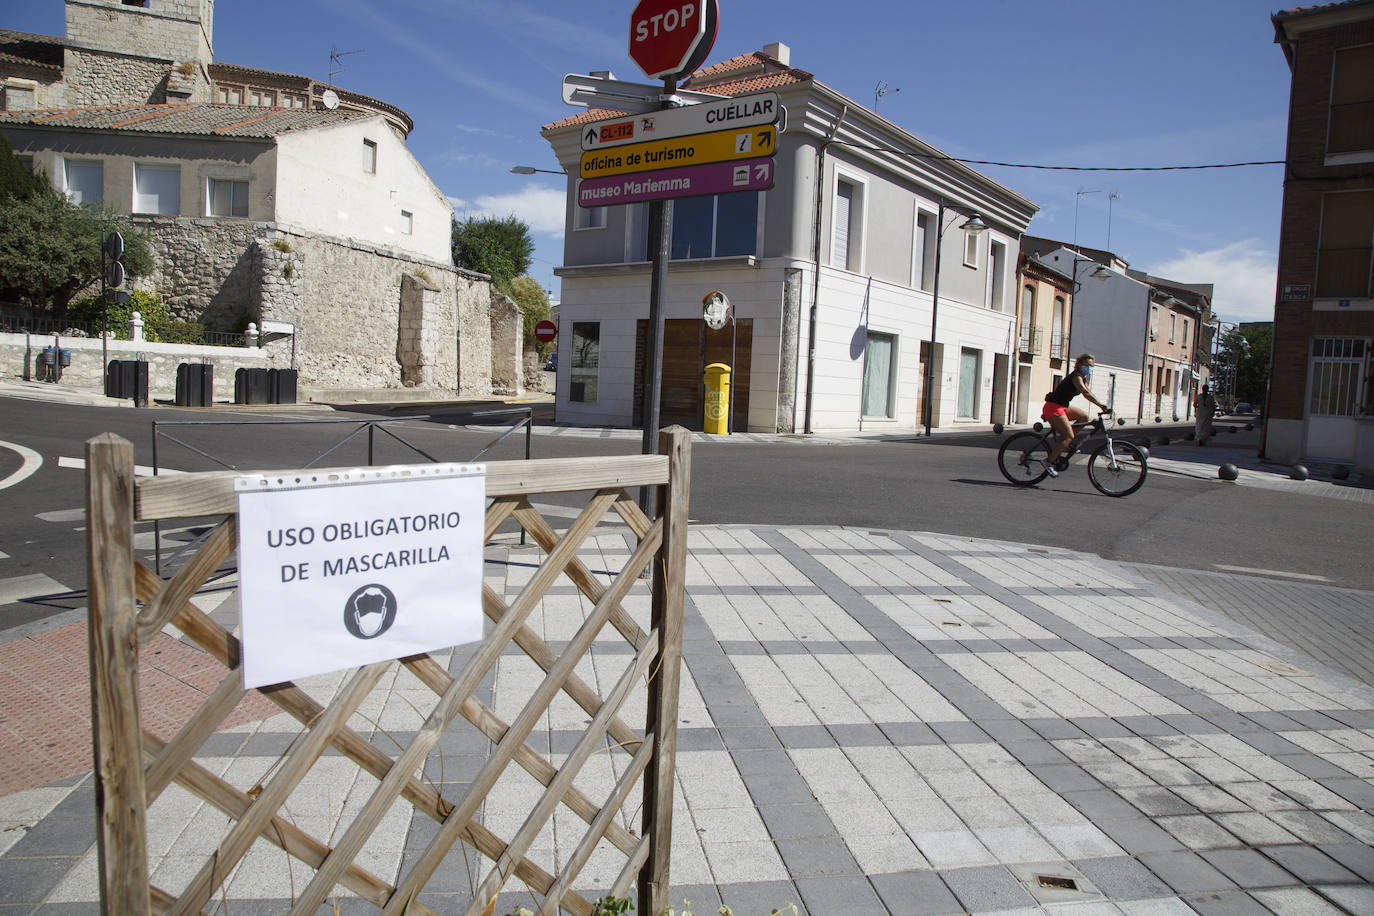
(93, 78)
(507, 339)
(365, 317)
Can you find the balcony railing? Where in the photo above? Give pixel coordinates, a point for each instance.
(1032, 341)
(1058, 346)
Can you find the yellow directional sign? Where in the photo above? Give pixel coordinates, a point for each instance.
(694, 149)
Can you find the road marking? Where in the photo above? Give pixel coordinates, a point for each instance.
(32, 586)
(32, 462)
(63, 515)
(1272, 572)
(139, 469)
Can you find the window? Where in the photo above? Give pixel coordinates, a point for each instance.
(1057, 342)
(970, 248)
(231, 95)
(589, 217)
(264, 98)
(1343, 254)
(227, 198)
(370, 157)
(584, 360)
(1154, 321)
(923, 252)
(846, 243)
(84, 182)
(1351, 127)
(715, 227)
(879, 364)
(997, 261)
(1335, 387)
(407, 222)
(1173, 326)
(17, 94)
(157, 189)
(1027, 318)
(1185, 332)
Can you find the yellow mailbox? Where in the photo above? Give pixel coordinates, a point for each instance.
(717, 399)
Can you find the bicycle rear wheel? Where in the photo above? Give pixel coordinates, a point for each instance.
(1121, 476)
(1020, 456)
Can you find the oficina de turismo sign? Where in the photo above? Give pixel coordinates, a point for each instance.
(345, 568)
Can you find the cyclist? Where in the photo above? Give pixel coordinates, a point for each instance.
(1060, 415)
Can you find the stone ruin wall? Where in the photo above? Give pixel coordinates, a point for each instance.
(365, 317)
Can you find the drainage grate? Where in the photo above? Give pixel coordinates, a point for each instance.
(1057, 882)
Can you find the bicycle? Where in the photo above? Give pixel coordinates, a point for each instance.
(1116, 467)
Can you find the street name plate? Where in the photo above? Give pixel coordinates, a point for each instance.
(665, 184)
(678, 152)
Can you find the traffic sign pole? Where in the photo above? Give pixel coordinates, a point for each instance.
(661, 239)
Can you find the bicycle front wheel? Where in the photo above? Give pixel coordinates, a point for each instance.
(1020, 456)
(1117, 468)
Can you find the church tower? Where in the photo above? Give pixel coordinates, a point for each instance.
(123, 52)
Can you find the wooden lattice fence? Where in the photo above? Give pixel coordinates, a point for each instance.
(129, 604)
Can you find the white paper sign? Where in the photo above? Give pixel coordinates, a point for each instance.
(347, 568)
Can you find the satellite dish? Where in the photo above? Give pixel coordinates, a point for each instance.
(330, 99)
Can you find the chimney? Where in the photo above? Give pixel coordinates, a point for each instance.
(779, 52)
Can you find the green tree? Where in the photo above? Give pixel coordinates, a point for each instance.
(50, 249)
(499, 248)
(17, 180)
(534, 305)
(1245, 350)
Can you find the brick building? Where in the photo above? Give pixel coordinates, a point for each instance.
(1321, 397)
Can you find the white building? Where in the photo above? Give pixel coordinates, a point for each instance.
(838, 257)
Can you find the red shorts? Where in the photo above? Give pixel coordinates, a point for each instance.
(1052, 409)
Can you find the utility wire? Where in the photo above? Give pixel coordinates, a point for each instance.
(1059, 168)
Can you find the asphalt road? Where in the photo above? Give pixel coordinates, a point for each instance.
(949, 485)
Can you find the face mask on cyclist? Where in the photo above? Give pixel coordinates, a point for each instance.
(1087, 372)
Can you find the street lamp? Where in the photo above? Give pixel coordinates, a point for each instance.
(530, 170)
(975, 225)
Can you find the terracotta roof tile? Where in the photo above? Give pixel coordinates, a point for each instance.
(198, 119)
(30, 49)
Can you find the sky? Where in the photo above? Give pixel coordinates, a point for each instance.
(1087, 83)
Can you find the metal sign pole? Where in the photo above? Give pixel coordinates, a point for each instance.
(730, 415)
(661, 234)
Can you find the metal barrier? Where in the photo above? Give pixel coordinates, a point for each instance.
(371, 426)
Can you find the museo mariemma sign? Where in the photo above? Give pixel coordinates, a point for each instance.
(346, 568)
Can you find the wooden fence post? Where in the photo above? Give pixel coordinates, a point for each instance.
(669, 588)
(112, 624)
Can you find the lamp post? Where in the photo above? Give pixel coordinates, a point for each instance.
(530, 170)
(975, 225)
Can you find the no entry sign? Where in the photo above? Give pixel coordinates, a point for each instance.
(545, 331)
(671, 37)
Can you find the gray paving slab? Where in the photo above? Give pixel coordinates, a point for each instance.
(842, 736)
(982, 890)
(915, 893)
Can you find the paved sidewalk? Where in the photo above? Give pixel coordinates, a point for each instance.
(875, 722)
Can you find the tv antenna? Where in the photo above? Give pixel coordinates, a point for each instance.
(336, 62)
(879, 91)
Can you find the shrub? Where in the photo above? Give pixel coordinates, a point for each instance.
(149, 306)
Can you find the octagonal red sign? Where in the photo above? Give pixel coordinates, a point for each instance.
(668, 37)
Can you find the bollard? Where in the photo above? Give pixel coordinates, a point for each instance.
(717, 413)
(1228, 472)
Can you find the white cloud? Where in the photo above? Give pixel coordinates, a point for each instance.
(1243, 274)
(542, 208)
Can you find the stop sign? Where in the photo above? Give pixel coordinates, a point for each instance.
(669, 37)
(545, 331)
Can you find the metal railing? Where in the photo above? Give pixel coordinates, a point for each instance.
(370, 428)
(1032, 340)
